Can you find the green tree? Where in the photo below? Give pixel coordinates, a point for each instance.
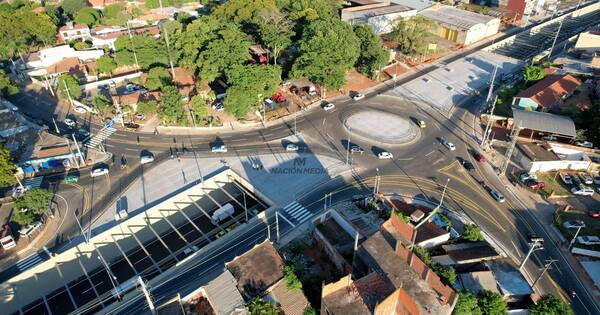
(472, 233)
(115, 14)
(291, 279)
(275, 31)
(147, 107)
(7, 167)
(229, 48)
(250, 84)
(171, 109)
(158, 77)
(550, 305)
(106, 65)
(54, 14)
(37, 200)
(403, 217)
(466, 304)
(533, 73)
(102, 105)
(7, 85)
(198, 107)
(22, 30)
(309, 310)
(23, 218)
(259, 307)
(150, 52)
(423, 254)
(72, 86)
(492, 303)
(81, 45)
(373, 55)
(242, 11)
(446, 273)
(411, 34)
(327, 50)
(71, 7)
(195, 38)
(305, 11)
(88, 16)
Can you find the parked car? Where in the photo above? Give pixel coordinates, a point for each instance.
(70, 122)
(588, 240)
(356, 198)
(69, 179)
(594, 214)
(29, 229)
(527, 176)
(219, 107)
(586, 178)
(292, 147)
(582, 190)
(497, 195)
(358, 96)
(576, 180)
(448, 145)
(585, 144)
(549, 138)
(83, 133)
(80, 110)
(356, 149)
(385, 155)
(328, 106)
(422, 124)
(99, 171)
(479, 157)
(566, 178)
(574, 224)
(221, 148)
(145, 159)
(468, 166)
(130, 87)
(535, 184)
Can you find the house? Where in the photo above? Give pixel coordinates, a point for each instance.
(466, 253)
(381, 16)
(60, 59)
(72, 31)
(523, 9)
(428, 234)
(548, 93)
(461, 26)
(184, 80)
(106, 37)
(534, 157)
(478, 281)
(100, 4)
(132, 99)
(588, 42)
(418, 5)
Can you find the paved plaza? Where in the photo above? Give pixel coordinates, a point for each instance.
(380, 126)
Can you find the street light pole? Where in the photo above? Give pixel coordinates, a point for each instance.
(555, 38)
(537, 244)
(277, 224)
(546, 267)
(574, 237)
(347, 149)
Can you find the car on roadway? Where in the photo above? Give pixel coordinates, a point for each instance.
(358, 96)
(497, 195)
(582, 190)
(421, 124)
(588, 240)
(527, 176)
(356, 149)
(448, 145)
(385, 155)
(70, 179)
(80, 110)
(586, 178)
(292, 147)
(99, 171)
(145, 159)
(479, 157)
(574, 224)
(566, 178)
(83, 133)
(70, 122)
(468, 166)
(585, 144)
(139, 116)
(328, 106)
(594, 214)
(221, 148)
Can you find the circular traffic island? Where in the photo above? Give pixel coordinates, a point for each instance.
(381, 126)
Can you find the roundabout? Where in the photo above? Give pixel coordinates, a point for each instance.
(381, 126)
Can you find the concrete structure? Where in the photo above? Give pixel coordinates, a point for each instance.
(148, 243)
(56, 60)
(588, 42)
(543, 123)
(428, 235)
(547, 94)
(478, 281)
(511, 283)
(536, 158)
(461, 26)
(72, 32)
(336, 236)
(380, 16)
(466, 253)
(418, 5)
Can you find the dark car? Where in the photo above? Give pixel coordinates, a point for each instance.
(468, 166)
(479, 157)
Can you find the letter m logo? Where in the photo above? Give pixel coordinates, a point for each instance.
(300, 161)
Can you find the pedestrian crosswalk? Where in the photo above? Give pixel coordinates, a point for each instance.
(34, 182)
(98, 138)
(297, 212)
(29, 262)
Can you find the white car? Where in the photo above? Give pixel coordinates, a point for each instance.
(219, 107)
(219, 148)
(99, 171)
(582, 191)
(586, 178)
(291, 147)
(588, 240)
(69, 122)
(385, 155)
(574, 224)
(145, 159)
(497, 195)
(29, 229)
(358, 96)
(328, 106)
(448, 145)
(566, 178)
(527, 176)
(549, 138)
(80, 109)
(585, 144)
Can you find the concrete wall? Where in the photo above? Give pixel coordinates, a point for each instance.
(383, 24)
(588, 42)
(547, 166)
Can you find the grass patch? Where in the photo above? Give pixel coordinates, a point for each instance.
(552, 185)
(592, 226)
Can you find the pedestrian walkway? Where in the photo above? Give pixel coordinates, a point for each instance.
(298, 212)
(102, 135)
(34, 182)
(29, 262)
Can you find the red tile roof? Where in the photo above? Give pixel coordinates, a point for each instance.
(257, 269)
(100, 3)
(183, 76)
(70, 65)
(551, 89)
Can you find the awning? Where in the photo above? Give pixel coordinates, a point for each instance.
(545, 122)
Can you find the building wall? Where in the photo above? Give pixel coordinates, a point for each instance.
(588, 42)
(526, 104)
(433, 242)
(547, 166)
(383, 24)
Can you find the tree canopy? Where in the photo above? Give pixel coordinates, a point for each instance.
(472, 233)
(147, 107)
(7, 167)
(229, 48)
(106, 65)
(198, 107)
(88, 16)
(243, 11)
(158, 77)
(275, 31)
(102, 105)
(71, 7)
(72, 86)
(115, 14)
(260, 307)
(250, 84)
(466, 304)
(150, 52)
(533, 73)
(21, 29)
(492, 303)
(373, 55)
(411, 34)
(551, 305)
(327, 50)
(7, 85)
(171, 109)
(37, 200)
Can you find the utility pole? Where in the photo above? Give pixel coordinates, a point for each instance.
(537, 243)
(353, 257)
(277, 224)
(513, 134)
(347, 149)
(375, 186)
(555, 38)
(268, 228)
(169, 51)
(245, 208)
(132, 46)
(147, 295)
(68, 93)
(431, 214)
(55, 125)
(19, 181)
(488, 126)
(491, 88)
(574, 237)
(295, 125)
(71, 153)
(546, 267)
(78, 150)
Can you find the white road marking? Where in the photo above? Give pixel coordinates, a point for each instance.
(430, 153)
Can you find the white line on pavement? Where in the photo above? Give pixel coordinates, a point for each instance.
(430, 153)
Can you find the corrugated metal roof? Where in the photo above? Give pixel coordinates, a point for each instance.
(223, 294)
(458, 18)
(545, 122)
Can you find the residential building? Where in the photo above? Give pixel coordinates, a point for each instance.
(336, 237)
(588, 42)
(381, 16)
(428, 234)
(524, 9)
(547, 94)
(478, 281)
(418, 5)
(100, 4)
(466, 253)
(133, 98)
(60, 59)
(461, 26)
(106, 37)
(72, 31)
